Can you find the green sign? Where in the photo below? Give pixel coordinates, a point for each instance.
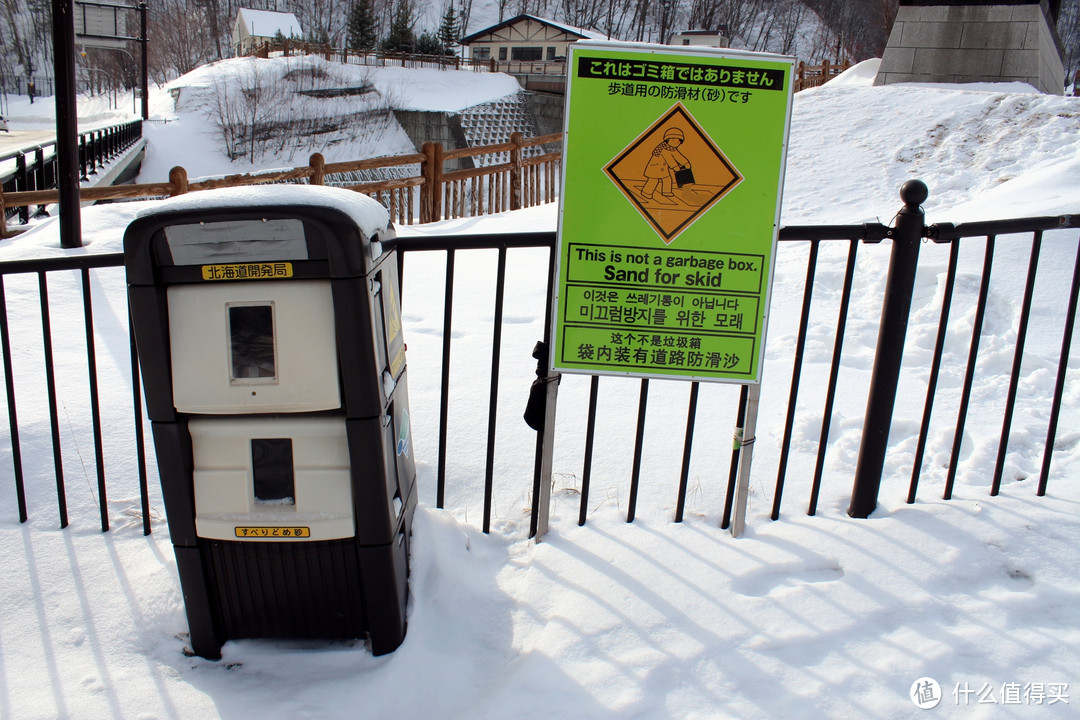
(673, 168)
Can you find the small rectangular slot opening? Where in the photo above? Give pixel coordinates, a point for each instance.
(252, 353)
(272, 470)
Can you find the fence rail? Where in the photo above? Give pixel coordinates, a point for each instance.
(428, 195)
(32, 173)
(810, 76)
(286, 47)
(36, 86)
(807, 76)
(841, 242)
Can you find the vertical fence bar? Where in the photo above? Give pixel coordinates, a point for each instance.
(834, 372)
(95, 405)
(590, 437)
(22, 182)
(1018, 359)
(140, 441)
(515, 171)
(493, 398)
(969, 373)
(935, 369)
(39, 177)
(639, 441)
(13, 420)
(903, 262)
(736, 448)
(84, 157)
(691, 415)
(1059, 385)
(796, 374)
(50, 384)
(444, 394)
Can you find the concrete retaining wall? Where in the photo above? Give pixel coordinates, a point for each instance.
(546, 111)
(423, 126)
(973, 43)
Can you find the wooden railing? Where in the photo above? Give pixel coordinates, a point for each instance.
(425, 193)
(810, 76)
(290, 48)
(807, 76)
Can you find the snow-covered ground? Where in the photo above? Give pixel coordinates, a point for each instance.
(806, 617)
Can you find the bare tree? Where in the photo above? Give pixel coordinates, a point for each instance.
(178, 43)
(1068, 28)
(588, 14)
(793, 17)
(280, 108)
(886, 16)
(241, 111)
(26, 35)
(536, 8)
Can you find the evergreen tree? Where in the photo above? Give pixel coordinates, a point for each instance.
(361, 31)
(448, 30)
(428, 44)
(401, 37)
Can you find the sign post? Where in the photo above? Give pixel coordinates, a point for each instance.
(672, 178)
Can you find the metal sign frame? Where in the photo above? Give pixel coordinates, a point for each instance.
(673, 172)
(668, 222)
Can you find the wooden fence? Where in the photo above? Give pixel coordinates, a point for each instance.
(810, 76)
(806, 76)
(426, 193)
(289, 48)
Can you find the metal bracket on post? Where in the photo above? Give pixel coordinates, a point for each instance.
(903, 262)
(746, 455)
(543, 509)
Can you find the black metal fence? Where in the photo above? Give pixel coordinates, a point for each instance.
(834, 248)
(35, 168)
(35, 86)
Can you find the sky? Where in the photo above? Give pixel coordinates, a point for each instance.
(804, 617)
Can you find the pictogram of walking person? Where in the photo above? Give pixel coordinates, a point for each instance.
(664, 163)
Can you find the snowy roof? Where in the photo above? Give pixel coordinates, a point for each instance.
(266, 23)
(580, 32)
(722, 31)
(369, 215)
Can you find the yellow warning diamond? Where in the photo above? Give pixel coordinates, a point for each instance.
(673, 173)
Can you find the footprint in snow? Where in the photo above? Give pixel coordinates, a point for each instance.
(762, 582)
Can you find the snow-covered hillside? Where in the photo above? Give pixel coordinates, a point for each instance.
(353, 123)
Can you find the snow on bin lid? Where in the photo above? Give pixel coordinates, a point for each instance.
(368, 214)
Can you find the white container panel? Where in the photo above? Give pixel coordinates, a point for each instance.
(248, 347)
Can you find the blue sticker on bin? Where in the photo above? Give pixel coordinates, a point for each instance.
(403, 435)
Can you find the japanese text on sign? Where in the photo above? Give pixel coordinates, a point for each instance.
(681, 93)
(681, 73)
(248, 271)
(665, 270)
(272, 532)
(662, 308)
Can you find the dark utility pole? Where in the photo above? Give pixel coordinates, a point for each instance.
(906, 236)
(143, 41)
(67, 124)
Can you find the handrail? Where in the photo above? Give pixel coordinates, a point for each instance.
(429, 181)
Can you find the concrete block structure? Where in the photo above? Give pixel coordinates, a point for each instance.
(965, 41)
